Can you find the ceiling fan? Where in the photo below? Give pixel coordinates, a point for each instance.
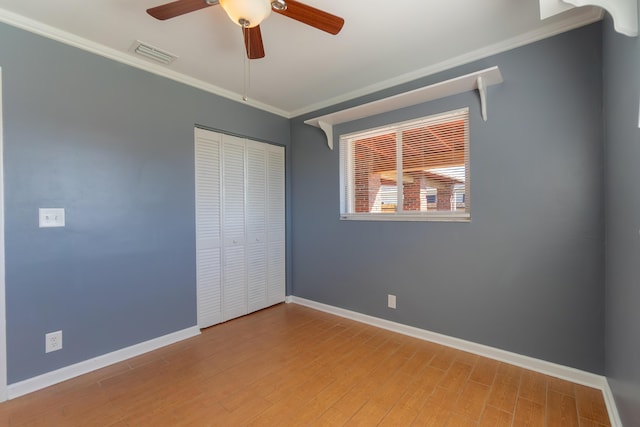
(250, 13)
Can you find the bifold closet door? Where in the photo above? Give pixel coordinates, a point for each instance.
(234, 254)
(240, 226)
(276, 280)
(256, 225)
(208, 231)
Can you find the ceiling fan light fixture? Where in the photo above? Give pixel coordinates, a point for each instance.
(247, 13)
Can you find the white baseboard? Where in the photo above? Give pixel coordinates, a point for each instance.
(549, 368)
(610, 401)
(50, 378)
(564, 372)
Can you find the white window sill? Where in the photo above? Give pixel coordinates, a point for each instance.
(453, 217)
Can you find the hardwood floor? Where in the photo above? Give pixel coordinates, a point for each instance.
(290, 365)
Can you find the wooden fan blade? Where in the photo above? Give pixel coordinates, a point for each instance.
(177, 8)
(311, 16)
(253, 42)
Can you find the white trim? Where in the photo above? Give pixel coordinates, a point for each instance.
(427, 216)
(588, 17)
(50, 378)
(549, 8)
(3, 318)
(612, 409)
(127, 57)
(549, 368)
(623, 12)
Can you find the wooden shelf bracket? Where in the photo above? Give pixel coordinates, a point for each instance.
(482, 90)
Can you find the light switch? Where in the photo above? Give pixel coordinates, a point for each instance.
(51, 217)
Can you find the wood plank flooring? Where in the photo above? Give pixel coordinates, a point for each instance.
(293, 366)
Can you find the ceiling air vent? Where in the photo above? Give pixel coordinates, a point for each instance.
(154, 53)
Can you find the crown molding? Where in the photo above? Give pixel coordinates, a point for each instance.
(127, 58)
(588, 16)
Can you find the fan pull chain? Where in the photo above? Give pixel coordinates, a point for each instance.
(247, 67)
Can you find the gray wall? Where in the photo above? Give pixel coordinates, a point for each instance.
(526, 274)
(622, 201)
(113, 145)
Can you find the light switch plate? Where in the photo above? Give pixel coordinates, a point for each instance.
(51, 217)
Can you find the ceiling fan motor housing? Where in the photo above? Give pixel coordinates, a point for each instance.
(247, 13)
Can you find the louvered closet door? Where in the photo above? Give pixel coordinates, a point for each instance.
(208, 238)
(240, 226)
(276, 280)
(234, 288)
(256, 225)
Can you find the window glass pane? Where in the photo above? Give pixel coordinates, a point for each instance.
(375, 174)
(409, 169)
(433, 167)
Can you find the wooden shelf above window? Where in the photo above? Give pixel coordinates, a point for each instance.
(479, 81)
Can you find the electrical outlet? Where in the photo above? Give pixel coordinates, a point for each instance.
(53, 341)
(391, 301)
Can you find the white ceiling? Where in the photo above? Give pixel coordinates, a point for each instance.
(382, 43)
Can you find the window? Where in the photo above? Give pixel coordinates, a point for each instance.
(415, 170)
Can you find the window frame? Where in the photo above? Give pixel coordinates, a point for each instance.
(347, 184)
